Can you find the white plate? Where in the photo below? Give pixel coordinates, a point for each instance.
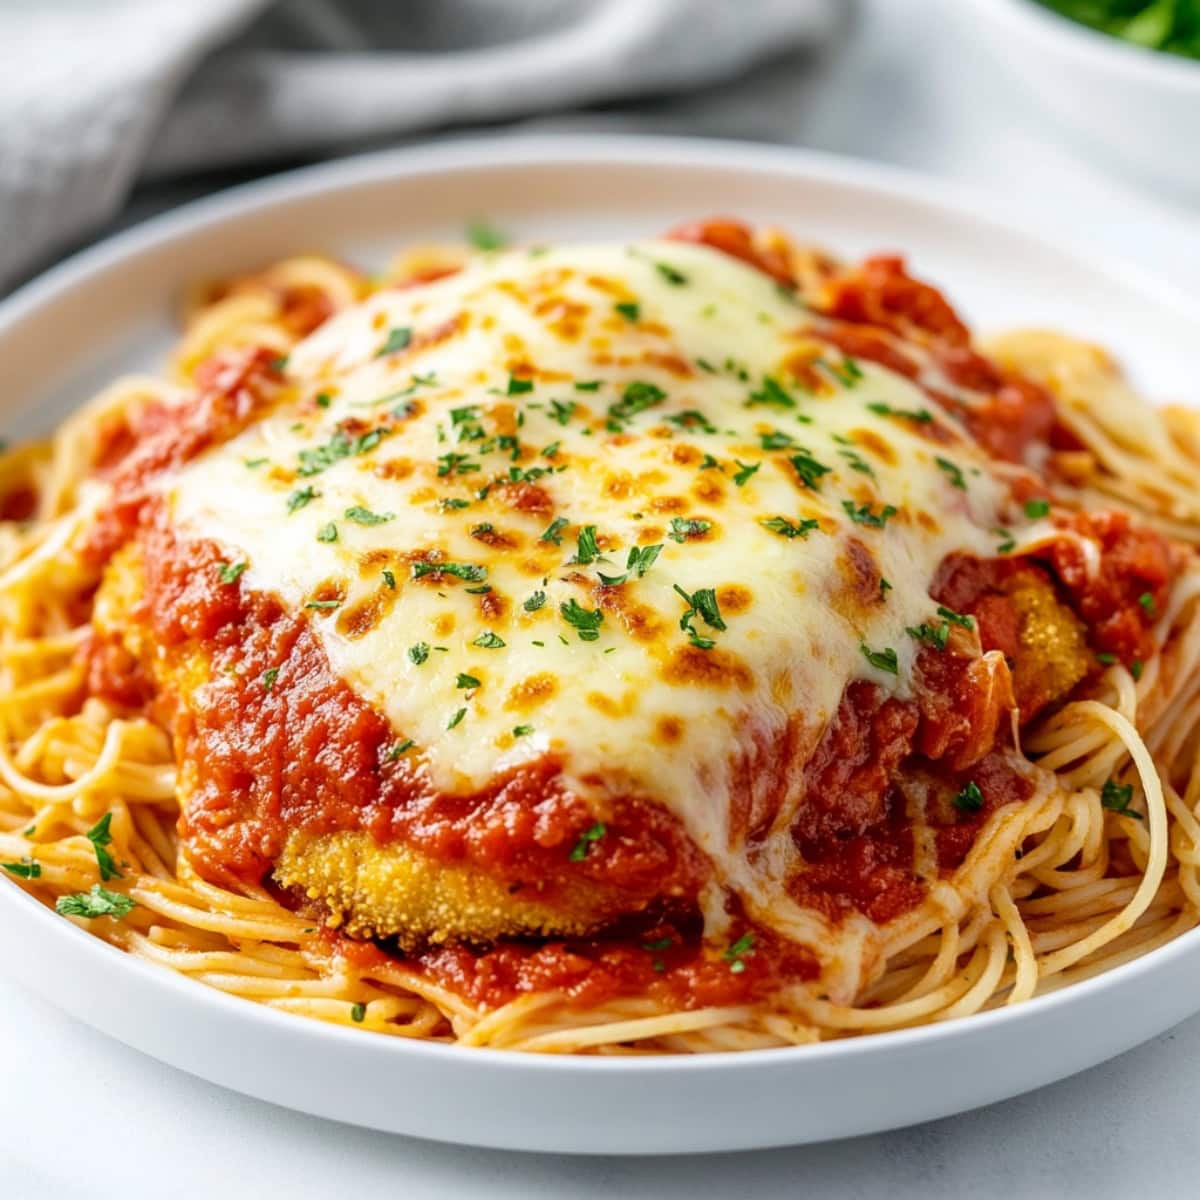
(109, 309)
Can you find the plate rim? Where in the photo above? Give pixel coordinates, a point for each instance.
(485, 154)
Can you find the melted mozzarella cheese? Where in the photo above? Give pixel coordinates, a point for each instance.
(648, 391)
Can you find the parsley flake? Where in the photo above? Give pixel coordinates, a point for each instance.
(580, 850)
(488, 641)
(629, 310)
(970, 799)
(553, 531)
(268, 678)
(100, 837)
(1116, 797)
(862, 514)
(456, 719)
(397, 339)
(586, 622)
(231, 572)
(300, 497)
(683, 528)
(1036, 508)
(327, 533)
(881, 660)
(468, 571)
(953, 472)
(418, 653)
(27, 868)
(534, 602)
(364, 516)
(785, 528)
(98, 902)
(809, 470)
(746, 470)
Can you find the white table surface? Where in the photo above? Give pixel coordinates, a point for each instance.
(81, 1116)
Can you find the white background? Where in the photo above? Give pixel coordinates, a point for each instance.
(81, 1116)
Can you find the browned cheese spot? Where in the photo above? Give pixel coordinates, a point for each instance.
(734, 598)
(870, 440)
(531, 692)
(689, 666)
(668, 731)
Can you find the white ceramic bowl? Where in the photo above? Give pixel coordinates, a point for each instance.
(111, 309)
(1137, 109)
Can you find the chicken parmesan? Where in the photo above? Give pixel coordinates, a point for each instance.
(681, 644)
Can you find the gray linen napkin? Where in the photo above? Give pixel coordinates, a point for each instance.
(97, 94)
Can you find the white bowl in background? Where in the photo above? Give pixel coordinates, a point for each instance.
(1138, 109)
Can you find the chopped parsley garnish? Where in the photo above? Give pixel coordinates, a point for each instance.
(1146, 601)
(586, 549)
(771, 393)
(663, 943)
(953, 472)
(328, 604)
(27, 868)
(709, 462)
(585, 385)
(692, 418)
(862, 514)
(562, 410)
(468, 571)
(488, 641)
(884, 587)
(585, 622)
(639, 561)
(856, 462)
(683, 528)
(452, 463)
(364, 516)
(454, 720)
(580, 850)
(254, 463)
(637, 397)
(1106, 658)
(522, 730)
(453, 503)
(389, 579)
(396, 749)
(483, 236)
(397, 339)
(741, 477)
(327, 533)
(921, 415)
(324, 400)
(300, 497)
(933, 635)
(785, 528)
(231, 572)
(881, 660)
(101, 838)
(98, 902)
(339, 446)
(737, 953)
(1009, 544)
(418, 653)
(701, 603)
(809, 470)
(553, 531)
(970, 799)
(1116, 797)
(518, 387)
(536, 601)
(1135, 668)
(1036, 508)
(776, 440)
(629, 310)
(466, 681)
(357, 1013)
(268, 678)
(967, 622)
(847, 372)
(673, 276)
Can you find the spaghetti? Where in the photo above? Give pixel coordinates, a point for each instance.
(1091, 861)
